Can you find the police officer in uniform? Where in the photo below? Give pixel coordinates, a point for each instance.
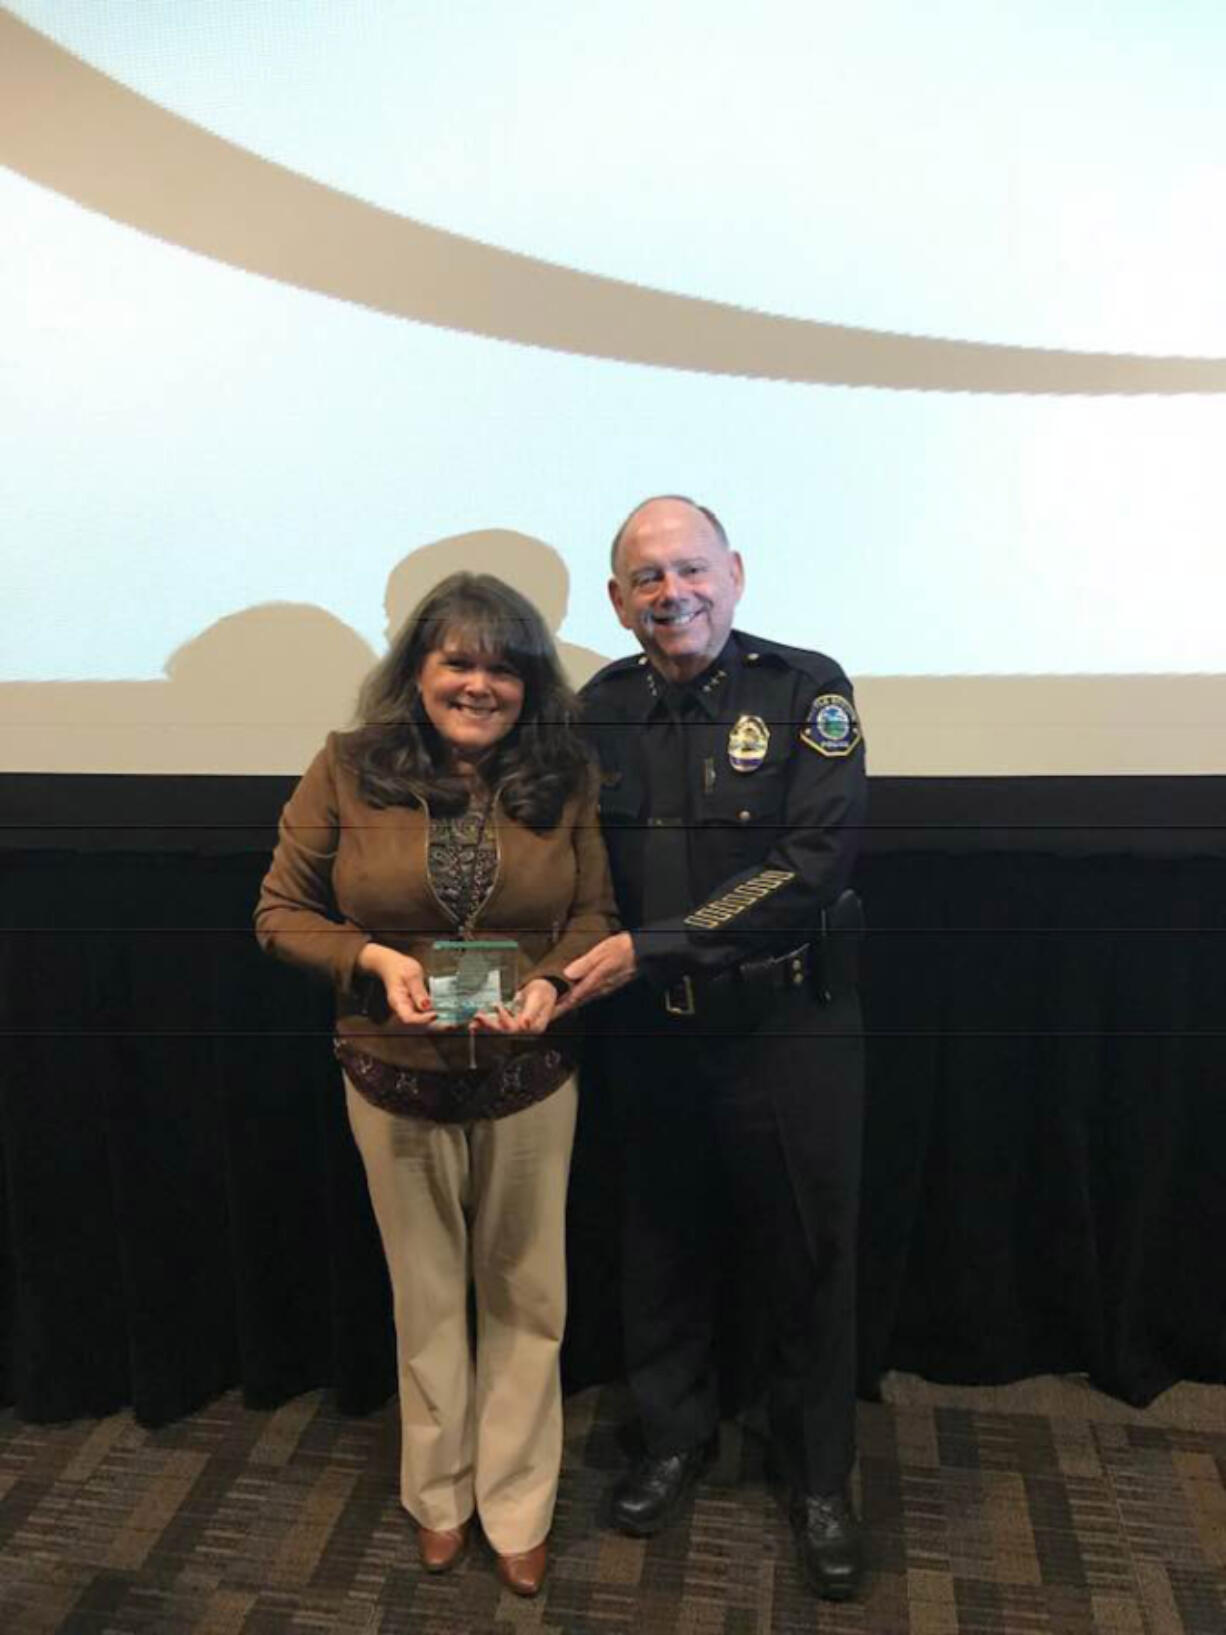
(733, 794)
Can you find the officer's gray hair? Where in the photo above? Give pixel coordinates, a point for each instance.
(680, 499)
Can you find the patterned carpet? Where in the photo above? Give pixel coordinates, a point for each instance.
(1043, 1507)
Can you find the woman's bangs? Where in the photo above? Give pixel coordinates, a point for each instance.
(491, 634)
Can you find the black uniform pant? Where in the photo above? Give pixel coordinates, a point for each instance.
(764, 1121)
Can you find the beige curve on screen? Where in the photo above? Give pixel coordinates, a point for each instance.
(74, 130)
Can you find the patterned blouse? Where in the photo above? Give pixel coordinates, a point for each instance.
(463, 860)
(463, 866)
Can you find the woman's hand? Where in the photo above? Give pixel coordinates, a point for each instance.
(404, 983)
(537, 1000)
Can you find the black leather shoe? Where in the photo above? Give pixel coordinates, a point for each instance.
(829, 1544)
(649, 1495)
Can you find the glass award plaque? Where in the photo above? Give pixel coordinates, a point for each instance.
(470, 976)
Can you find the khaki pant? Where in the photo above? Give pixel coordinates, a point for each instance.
(485, 1200)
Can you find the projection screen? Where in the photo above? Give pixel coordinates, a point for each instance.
(308, 303)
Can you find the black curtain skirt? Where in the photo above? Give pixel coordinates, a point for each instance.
(1044, 1190)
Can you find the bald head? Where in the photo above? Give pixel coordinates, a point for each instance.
(665, 499)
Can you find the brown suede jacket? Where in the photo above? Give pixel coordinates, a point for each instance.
(345, 873)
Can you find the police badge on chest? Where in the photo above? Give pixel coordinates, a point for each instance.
(748, 743)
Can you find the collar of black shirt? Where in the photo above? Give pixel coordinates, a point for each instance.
(703, 693)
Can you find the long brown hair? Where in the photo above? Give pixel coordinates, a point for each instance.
(399, 757)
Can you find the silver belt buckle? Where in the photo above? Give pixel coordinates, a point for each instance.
(679, 999)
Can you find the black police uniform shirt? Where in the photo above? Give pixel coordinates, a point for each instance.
(732, 805)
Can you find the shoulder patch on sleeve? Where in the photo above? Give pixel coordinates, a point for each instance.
(831, 726)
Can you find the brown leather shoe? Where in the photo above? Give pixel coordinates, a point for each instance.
(439, 1551)
(523, 1574)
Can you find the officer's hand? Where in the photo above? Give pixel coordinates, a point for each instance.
(601, 971)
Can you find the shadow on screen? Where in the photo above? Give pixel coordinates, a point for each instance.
(257, 691)
(534, 568)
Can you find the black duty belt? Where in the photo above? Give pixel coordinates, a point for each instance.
(790, 970)
(826, 965)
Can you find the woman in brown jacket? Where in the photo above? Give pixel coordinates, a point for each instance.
(463, 808)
